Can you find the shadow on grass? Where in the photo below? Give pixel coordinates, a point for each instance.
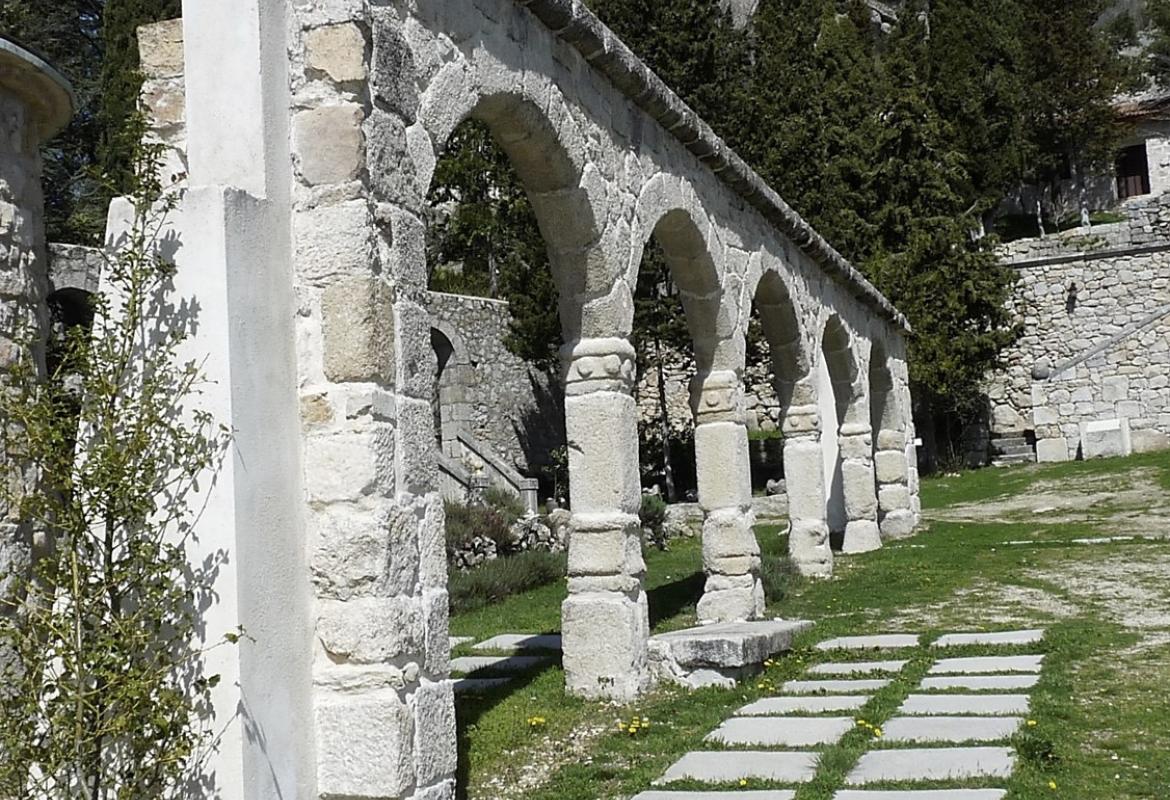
(671, 599)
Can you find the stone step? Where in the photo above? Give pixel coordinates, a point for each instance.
(949, 730)
(969, 704)
(720, 655)
(857, 667)
(510, 664)
(1013, 461)
(987, 665)
(932, 764)
(1009, 441)
(881, 641)
(1021, 450)
(833, 687)
(517, 642)
(982, 683)
(726, 767)
(1030, 636)
(478, 685)
(814, 704)
(766, 794)
(781, 731)
(921, 794)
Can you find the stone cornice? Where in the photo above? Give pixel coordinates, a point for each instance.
(577, 26)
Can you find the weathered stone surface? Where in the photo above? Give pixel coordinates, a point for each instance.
(733, 644)
(160, 49)
(985, 664)
(456, 641)
(479, 685)
(434, 732)
(881, 641)
(717, 767)
(487, 664)
(776, 706)
(358, 324)
(950, 763)
(1031, 636)
(1105, 438)
(521, 641)
(327, 141)
(982, 682)
(952, 730)
(856, 667)
(921, 794)
(781, 731)
(369, 630)
(604, 638)
(365, 746)
(767, 794)
(981, 704)
(834, 687)
(338, 50)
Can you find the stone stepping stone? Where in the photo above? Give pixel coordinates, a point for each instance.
(834, 687)
(767, 794)
(468, 664)
(478, 685)
(985, 664)
(982, 683)
(922, 794)
(953, 730)
(458, 640)
(978, 704)
(875, 642)
(815, 704)
(725, 767)
(781, 731)
(857, 667)
(1002, 637)
(932, 764)
(521, 641)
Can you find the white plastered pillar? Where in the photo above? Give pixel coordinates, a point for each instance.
(731, 554)
(605, 619)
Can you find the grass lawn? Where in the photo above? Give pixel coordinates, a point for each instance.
(1000, 549)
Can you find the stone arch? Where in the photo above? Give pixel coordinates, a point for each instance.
(851, 507)
(453, 375)
(888, 420)
(808, 531)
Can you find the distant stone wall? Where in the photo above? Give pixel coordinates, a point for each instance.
(503, 402)
(1096, 309)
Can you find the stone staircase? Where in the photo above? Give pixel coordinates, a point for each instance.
(1011, 450)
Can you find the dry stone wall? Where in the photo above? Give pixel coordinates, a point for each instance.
(1095, 305)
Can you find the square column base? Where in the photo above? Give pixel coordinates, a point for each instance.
(604, 637)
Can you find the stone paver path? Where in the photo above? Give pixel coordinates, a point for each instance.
(936, 736)
(500, 670)
(515, 642)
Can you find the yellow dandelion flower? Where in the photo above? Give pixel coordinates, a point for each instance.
(743, 781)
(1052, 785)
(1031, 723)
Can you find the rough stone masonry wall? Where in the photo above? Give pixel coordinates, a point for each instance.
(1122, 277)
(510, 405)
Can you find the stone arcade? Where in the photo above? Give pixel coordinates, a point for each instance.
(308, 132)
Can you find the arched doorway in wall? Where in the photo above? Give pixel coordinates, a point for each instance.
(782, 341)
(851, 500)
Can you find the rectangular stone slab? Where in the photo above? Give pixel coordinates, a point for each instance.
(521, 641)
(932, 764)
(1001, 637)
(969, 704)
(921, 794)
(856, 667)
(982, 683)
(767, 794)
(953, 730)
(729, 644)
(986, 664)
(458, 640)
(813, 704)
(725, 767)
(478, 685)
(875, 642)
(834, 687)
(781, 731)
(468, 664)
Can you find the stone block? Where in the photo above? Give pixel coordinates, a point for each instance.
(521, 642)
(921, 794)
(1149, 441)
(861, 536)
(950, 730)
(604, 472)
(434, 732)
(437, 633)
(1115, 388)
(365, 746)
(1105, 438)
(860, 489)
(717, 767)
(370, 630)
(358, 326)
(808, 546)
(766, 794)
(890, 439)
(333, 240)
(898, 524)
(980, 683)
(954, 763)
(725, 646)
(987, 664)
(813, 704)
(728, 533)
(1052, 450)
(781, 732)
(1021, 637)
(804, 468)
(349, 466)
(327, 142)
(1045, 415)
(338, 51)
(856, 446)
(415, 451)
(835, 686)
(880, 641)
(160, 49)
(890, 466)
(857, 667)
(613, 551)
(722, 466)
(893, 497)
(744, 600)
(605, 645)
(360, 554)
(965, 704)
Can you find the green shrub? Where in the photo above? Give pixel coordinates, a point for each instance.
(776, 572)
(653, 511)
(465, 521)
(492, 581)
(505, 502)
(764, 436)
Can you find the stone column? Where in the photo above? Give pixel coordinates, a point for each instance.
(35, 102)
(804, 475)
(896, 519)
(605, 620)
(857, 474)
(731, 555)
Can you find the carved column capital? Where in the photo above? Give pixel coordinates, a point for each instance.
(717, 397)
(598, 365)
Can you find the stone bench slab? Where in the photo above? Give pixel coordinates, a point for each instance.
(1002, 637)
(969, 704)
(781, 731)
(987, 664)
(834, 687)
(813, 704)
(515, 642)
(458, 640)
(725, 767)
(881, 641)
(857, 667)
(719, 655)
(932, 764)
(478, 685)
(469, 664)
(922, 794)
(982, 683)
(767, 794)
(953, 730)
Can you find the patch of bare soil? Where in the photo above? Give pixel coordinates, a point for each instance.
(538, 763)
(985, 604)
